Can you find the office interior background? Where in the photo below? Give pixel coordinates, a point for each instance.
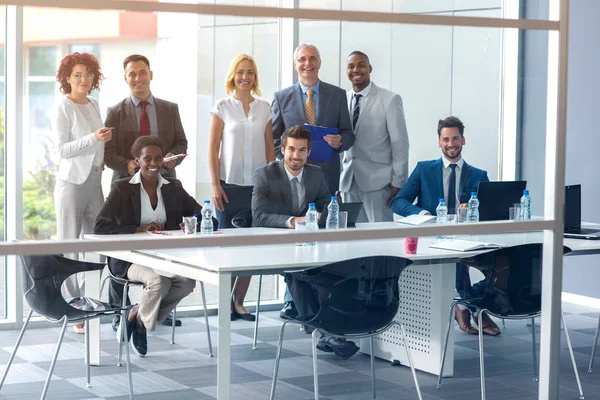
(494, 79)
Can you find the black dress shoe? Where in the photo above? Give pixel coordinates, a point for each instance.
(169, 321)
(139, 342)
(288, 311)
(245, 316)
(131, 326)
(342, 348)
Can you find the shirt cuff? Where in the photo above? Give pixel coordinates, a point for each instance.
(423, 212)
(288, 223)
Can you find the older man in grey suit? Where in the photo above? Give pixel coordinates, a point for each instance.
(138, 115)
(376, 167)
(282, 191)
(314, 102)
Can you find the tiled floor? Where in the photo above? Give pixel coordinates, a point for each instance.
(184, 371)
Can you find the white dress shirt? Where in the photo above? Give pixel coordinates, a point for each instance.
(149, 214)
(301, 192)
(243, 147)
(446, 171)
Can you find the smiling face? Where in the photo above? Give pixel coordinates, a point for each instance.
(245, 76)
(295, 153)
(359, 71)
(451, 143)
(307, 64)
(150, 161)
(138, 77)
(80, 80)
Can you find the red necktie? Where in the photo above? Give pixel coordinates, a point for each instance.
(144, 120)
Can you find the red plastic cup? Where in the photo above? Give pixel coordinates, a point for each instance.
(410, 245)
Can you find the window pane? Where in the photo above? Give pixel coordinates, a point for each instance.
(42, 61)
(85, 48)
(2, 131)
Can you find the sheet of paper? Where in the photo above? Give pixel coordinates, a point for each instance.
(415, 219)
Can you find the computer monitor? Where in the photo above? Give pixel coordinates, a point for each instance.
(495, 198)
(572, 208)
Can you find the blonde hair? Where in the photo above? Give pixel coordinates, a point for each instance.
(229, 80)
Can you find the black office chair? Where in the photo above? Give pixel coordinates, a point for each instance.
(511, 289)
(357, 298)
(42, 280)
(126, 283)
(243, 219)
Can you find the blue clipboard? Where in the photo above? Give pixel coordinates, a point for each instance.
(321, 150)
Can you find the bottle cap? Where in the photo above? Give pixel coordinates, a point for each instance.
(526, 192)
(334, 198)
(442, 201)
(473, 194)
(311, 205)
(206, 201)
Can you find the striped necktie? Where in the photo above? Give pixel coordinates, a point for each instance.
(356, 110)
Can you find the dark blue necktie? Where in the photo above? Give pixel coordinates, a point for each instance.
(452, 191)
(356, 110)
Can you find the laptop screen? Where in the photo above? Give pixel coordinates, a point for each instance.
(495, 198)
(572, 208)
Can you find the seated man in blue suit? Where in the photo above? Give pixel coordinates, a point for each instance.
(450, 178)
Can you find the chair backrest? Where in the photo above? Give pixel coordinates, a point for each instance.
(512, 284)
(243, 219)
(357, 296)
(42, 280)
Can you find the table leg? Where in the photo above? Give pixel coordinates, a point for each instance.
(224, 349)
(92, 289)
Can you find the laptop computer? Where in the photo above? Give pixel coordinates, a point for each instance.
(352, 208)
(573, 228)
(495, 198)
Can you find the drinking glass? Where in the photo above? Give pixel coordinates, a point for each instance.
(300, 227)
(343, 219)
(410, 245)
(190, 225)
(461, 214)
(514, 213)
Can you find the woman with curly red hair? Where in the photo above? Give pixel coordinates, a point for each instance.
(79, 137)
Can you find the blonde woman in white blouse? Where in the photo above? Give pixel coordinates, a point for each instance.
(79, 137)
(241, 140)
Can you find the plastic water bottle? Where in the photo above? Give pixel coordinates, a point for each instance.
(473, 209)
(525, 205)
(312, 221)
(333, 214)
(442, 214)
(206, 226)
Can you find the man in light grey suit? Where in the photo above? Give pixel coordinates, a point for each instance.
(313, 101)
(376, 167)
(281, 193)
(142, 114)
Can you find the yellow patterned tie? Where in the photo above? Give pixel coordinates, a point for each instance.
(309, 107)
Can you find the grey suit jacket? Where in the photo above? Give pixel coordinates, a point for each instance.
(288, 110)
(379, 156)
(121, 117)
(272, 198)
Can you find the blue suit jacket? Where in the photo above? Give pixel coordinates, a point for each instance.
(426, 184)
(288, 110)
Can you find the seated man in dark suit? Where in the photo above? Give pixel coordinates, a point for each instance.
(282, 191)
(450, 178)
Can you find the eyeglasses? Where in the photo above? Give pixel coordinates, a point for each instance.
(79, 76)
(303, 59)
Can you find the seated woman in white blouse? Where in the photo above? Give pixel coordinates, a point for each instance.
(147, 202)
(241, 140)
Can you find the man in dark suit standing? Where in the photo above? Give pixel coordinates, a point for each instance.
(140, 114)
(282, 191)
(315, 102)
(452, 179)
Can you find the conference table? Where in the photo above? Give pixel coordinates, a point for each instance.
(427, 286)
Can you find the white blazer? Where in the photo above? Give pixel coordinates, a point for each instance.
(379, 156)
(74, 141)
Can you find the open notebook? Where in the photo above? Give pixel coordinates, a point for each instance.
(415, 219)
(464, 245)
